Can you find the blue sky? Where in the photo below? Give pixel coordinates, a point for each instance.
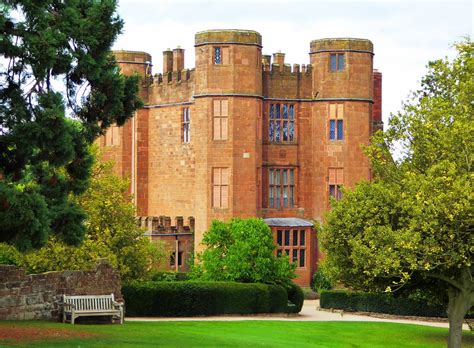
(406, 35)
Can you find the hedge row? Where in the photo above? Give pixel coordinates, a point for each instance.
(192, 298)
(380, 303)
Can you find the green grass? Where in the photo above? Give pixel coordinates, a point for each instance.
(240, 334)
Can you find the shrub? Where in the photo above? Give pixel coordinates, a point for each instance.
(295, 296)
(9, 255)
(242, 250)
(192, 298)
(379, 302)
(168, 276)
(321, 279)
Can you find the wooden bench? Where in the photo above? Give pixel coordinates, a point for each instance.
(91, 305)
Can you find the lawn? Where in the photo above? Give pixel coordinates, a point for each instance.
(225, 334)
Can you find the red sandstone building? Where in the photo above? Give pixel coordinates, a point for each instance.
(242, 136)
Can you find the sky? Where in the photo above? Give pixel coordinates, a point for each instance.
(406, 34)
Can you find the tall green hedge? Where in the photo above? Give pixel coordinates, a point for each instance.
(296, 297)
(380, 303)
(192, 298)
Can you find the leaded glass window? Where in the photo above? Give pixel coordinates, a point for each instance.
(281, 126)
(217, 55)
(281, 188)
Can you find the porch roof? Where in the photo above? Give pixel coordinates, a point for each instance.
(288, 222)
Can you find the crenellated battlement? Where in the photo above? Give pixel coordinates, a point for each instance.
(287, 69)
(171, 77)
(162, 225)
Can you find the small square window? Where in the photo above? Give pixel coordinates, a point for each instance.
(337, 61)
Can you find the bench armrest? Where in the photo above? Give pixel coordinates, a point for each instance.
(117, 304)
(69, 305)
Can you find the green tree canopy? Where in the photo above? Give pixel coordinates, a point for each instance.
(242, 250)
(55, 61)
(112, 232)
(414, 224)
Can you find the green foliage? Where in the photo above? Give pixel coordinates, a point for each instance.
(296, 297)
(193, 298)
(112, 233)
(242, 250)
(168, 276)
(379, 303)
(414, 223)
(9, 255)
(321, 279)
(50, 48)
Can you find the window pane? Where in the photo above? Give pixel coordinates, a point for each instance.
(338, 192)
(272, 111)
(277, 131)
(295, 255)
(277, 204)
(333, 62)
(279, 237)
(332, 129)
(224, 107)
(271, 131)
(278, 174)
(302, 237)
(285, 196)
(332, 190)
(292, 112)
(287, 252)
(278, 111)
(291, 196)
(285, 177)
(285, 111)
(270, 196)
(292, 176)
(285, 130)
(302, 257)
(292, 131)
(287, 237)
(217, 55)
(295, 237)
(278, 252)
(340, 62)
(340, 130)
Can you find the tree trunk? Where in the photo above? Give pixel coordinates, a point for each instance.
(459, 304)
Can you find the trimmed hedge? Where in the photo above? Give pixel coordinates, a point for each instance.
(380, 303)
(193, 298)
(296, 296)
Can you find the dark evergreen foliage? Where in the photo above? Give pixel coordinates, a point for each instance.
(60, 88)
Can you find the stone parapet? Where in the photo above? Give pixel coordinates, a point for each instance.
(234, 36)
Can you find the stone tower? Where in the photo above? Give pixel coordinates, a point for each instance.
(341, 111)
(228, 89)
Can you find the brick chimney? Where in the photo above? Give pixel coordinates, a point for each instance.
(178, 59)
(279, 58)
(167, 61)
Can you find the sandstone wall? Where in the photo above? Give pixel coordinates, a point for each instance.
(38, 296)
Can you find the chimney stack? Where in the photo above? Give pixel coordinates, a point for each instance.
(279, 58)
(178, 59)
(167, 61)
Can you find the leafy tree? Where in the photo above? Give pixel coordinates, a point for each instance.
(55, 61)
(112, 232)
(413, 226)
(242, 250)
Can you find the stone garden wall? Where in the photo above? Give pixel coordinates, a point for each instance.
(38, 296)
